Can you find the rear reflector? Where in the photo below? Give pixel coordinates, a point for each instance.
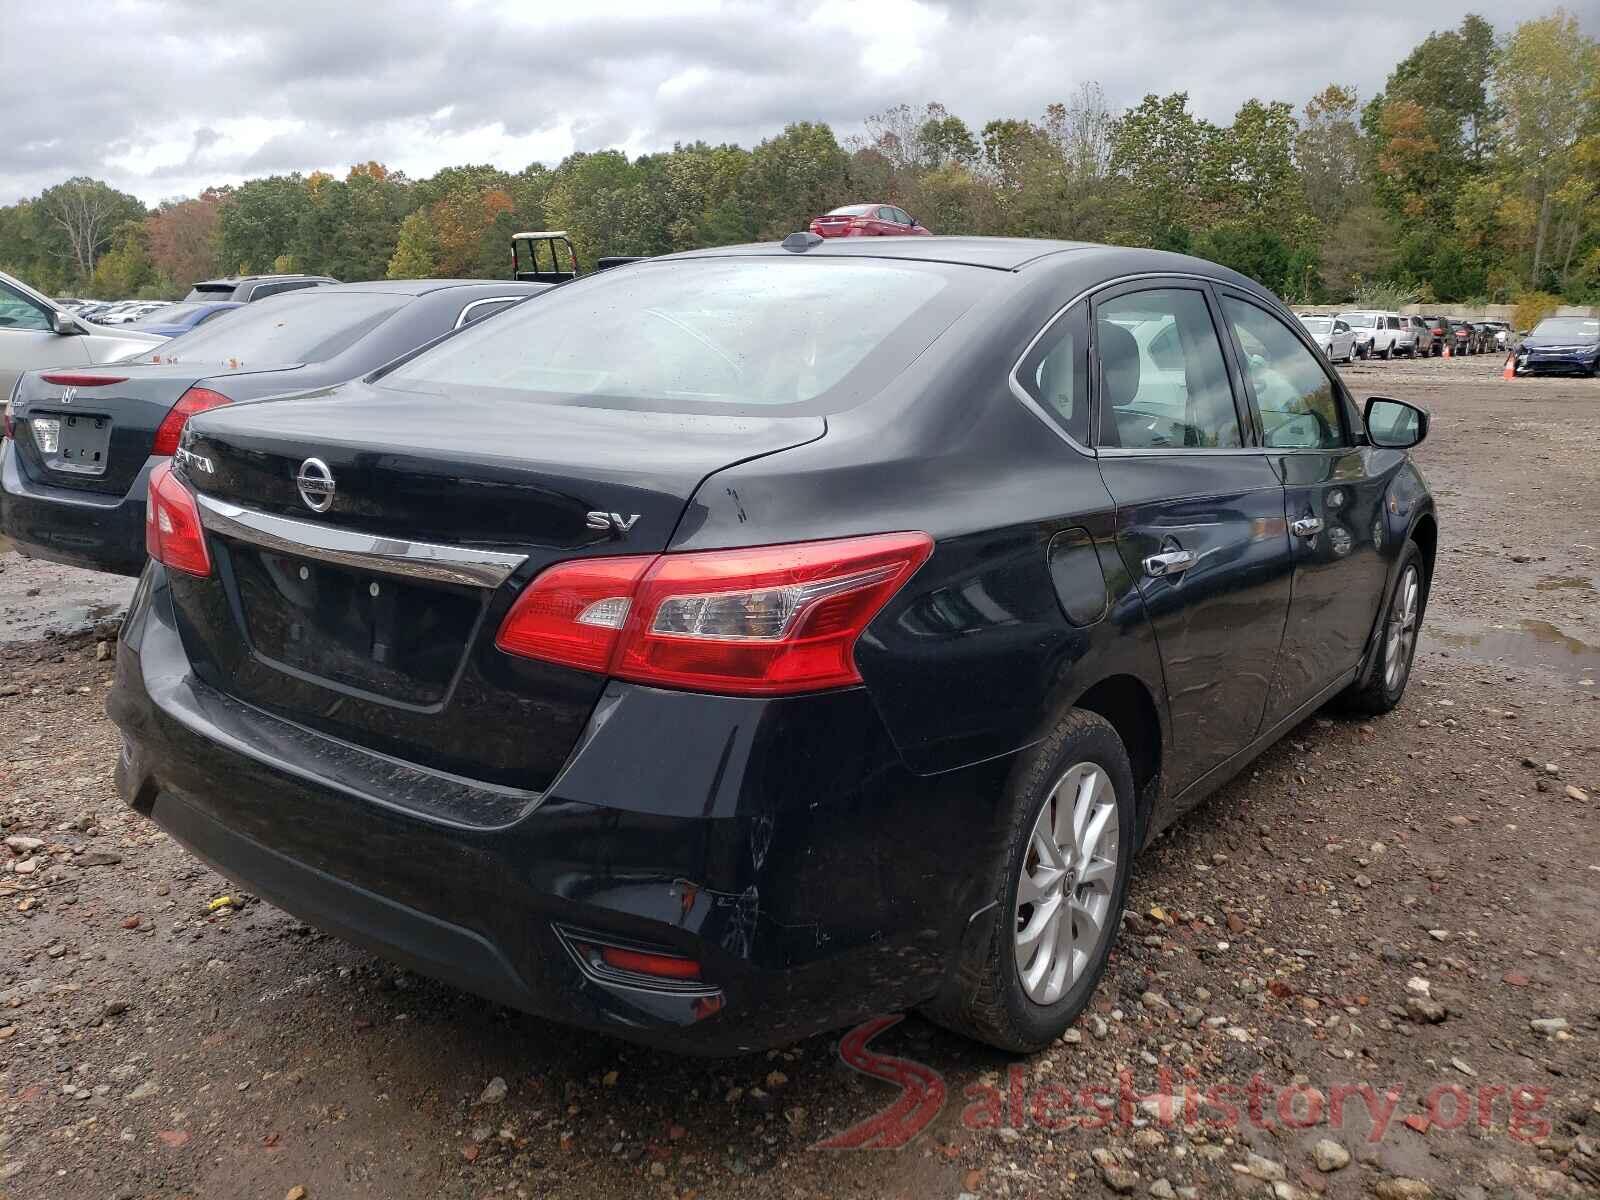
(64, 379)
(173, 535)
(767, 620)
(196, 399)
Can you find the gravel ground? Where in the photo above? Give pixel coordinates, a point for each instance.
(1409, 906)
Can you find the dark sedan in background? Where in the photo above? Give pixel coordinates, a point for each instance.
(80, 444)
(726, 648)
(1561, 346)
(175, 320)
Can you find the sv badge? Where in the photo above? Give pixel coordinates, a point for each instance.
(611, 522)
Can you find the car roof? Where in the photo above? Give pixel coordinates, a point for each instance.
(1001, 253)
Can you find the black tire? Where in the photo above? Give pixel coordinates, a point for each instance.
(983, 996)
(1382, 690)
(1387, 352)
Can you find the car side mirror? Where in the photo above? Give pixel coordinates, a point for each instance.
(65, 324)
(1394, 424)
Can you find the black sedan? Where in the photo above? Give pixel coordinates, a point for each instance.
(678, 659)
(80, 444)
(1561, 346)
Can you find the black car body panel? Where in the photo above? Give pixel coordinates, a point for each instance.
(95, 518)
(466, 810)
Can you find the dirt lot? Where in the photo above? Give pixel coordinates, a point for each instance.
(1410, 907)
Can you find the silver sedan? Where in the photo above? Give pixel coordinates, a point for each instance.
(1337, 339)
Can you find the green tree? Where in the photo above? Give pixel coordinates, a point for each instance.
(258, 222)
(1165, 158)
(1329, 154)
(414, 252)
(1548, 79)
(81, 215)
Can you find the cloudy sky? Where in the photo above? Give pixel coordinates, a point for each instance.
(162, 97)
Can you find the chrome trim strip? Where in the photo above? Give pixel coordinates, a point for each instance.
(363, 551)
(463, 318)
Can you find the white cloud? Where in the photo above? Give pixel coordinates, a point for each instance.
(164, 97)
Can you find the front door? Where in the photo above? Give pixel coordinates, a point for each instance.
(1200, 517)
(27, 341)
(1334, 491)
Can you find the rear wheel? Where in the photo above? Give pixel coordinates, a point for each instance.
(1397, 644)
(1056, 885)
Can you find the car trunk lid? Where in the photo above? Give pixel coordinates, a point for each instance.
(368, 543)
(93, 430)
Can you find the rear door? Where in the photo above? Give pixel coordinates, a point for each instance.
(1200, 516)
(1334, 490)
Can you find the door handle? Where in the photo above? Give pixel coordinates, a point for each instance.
(1306, 527)
(1170, 562)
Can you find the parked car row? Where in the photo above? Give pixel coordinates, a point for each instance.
(1379, 334)
(81, 444)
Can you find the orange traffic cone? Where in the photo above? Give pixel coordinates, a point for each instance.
(1510, 371)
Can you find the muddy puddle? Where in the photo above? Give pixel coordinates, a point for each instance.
(42, 600)
(1527, 643)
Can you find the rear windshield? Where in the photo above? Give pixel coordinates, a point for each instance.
(211, 291)
(1586, 328)
(173, 314)
(1359, 320)
(853, 210)
(709, 334)
(303, 327)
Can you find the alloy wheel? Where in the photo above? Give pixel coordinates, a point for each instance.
(1402, 632)
(1069, 877)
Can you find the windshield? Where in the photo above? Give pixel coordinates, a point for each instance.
(705, 334)
(1317, 324)
(304, 327)
(1359, 320)
(1586, 329)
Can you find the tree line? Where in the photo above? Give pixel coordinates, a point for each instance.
(1474, 176)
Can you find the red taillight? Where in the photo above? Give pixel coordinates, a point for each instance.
(173, 535)
(67, 379)
(761, 621)
(573, 614)
(661, 966)
(195, 400)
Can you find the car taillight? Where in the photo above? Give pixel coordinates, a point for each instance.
(196, 399)
(762, 621)
(68, 379)
(173, 535)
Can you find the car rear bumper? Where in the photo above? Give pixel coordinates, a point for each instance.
(780, 844)
(80, 529)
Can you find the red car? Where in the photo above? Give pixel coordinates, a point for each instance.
(868, 220)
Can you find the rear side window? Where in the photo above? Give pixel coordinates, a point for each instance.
(1163, 380)
(1055, 373)
(1296, 398)
(708, 334)
(284, 330)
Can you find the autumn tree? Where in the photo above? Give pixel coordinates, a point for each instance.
(182, 238)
